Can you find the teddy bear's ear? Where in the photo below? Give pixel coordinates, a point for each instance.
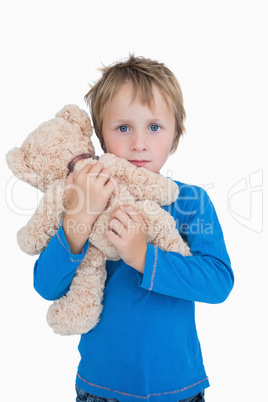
(16, 163)
(74, 114)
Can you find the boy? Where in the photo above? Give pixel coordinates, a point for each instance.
(145, 346)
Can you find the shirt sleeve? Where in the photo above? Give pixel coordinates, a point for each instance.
(56, 267)
(206, 276)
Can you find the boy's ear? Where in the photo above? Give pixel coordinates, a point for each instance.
(16, 163)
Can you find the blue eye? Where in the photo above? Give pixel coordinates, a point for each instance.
(154, 127)
(123, 129)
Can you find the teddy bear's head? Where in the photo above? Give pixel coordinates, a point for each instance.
(44, 155)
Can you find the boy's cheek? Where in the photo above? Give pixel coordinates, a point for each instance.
(115, 146)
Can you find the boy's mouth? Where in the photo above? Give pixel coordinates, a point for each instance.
(140, 163)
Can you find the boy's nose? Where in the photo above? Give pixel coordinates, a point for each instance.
(138, 143)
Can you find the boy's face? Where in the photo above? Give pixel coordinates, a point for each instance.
(135, 132)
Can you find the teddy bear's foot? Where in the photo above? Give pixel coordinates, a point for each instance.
(79, 310)
(66, 317)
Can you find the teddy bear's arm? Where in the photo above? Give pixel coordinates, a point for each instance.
(161, 228)
(140, 182)
(41, 227)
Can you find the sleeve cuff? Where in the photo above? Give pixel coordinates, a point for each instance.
(62, 239)
(146, 280)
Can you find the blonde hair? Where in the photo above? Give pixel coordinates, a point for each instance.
(142, 73)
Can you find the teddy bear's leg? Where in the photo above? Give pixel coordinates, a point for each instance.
(42, 226)
(79, 310)
(161, 228)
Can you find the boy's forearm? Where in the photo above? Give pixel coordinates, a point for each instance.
(201, 278)
(56, 267)
(76, 232)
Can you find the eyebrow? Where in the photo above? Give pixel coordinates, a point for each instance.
(154, 120)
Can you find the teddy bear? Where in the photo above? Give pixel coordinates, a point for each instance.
(61, 146)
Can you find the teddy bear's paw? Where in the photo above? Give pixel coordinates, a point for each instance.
(173, 242)
(31, 243)
(69, 316)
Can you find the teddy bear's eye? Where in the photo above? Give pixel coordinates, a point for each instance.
(123, 129)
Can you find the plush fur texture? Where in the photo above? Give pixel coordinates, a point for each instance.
(42, 161)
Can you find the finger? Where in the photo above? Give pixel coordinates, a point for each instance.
(136, 219)
(116, 227)
(96, 169)
(121, 215)
(70, 179)
(91, 169)
(86, 169)
(132, 213)
(111, 184)
(112, 236)
(104, 176)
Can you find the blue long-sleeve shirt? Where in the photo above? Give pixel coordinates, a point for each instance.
(146, 346)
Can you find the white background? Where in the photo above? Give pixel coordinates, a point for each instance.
(50, 52)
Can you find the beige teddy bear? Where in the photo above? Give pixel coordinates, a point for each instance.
(44, 161)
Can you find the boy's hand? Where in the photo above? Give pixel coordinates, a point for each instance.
(88, 193)
(127, 232)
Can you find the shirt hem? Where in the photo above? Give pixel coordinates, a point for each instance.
(182, 393)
